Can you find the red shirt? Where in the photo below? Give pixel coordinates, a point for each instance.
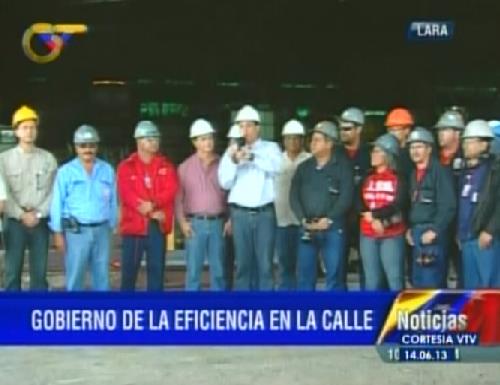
(445, 158)
(136, 181)
(420, 173)
(351, 152)
(380, 190)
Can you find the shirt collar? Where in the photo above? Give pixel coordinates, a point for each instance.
(78, 164)
(22, 152)
(302, 155)
(198, 160)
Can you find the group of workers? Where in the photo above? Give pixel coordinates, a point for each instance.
(409, 205)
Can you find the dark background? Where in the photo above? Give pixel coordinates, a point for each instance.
(213, 56)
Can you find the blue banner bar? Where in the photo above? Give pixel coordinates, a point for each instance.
(180, 318)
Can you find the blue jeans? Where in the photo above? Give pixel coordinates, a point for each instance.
(287, 245)
(481, 267)
(383, 262)
(36, 239)
(90, 247)
(330, 244)
(207, 242)
(133, 248)
(253, 234)
(431, 276)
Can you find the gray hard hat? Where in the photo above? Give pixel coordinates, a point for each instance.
(451, 119)
(327, 128)
(146, 129)
(86, 134)
(420, 134)
(388, 143)
(352, 115)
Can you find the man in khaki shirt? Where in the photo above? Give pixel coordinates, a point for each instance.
(29, 173)
(288, 229)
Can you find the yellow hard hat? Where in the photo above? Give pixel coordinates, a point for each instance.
(23, 113)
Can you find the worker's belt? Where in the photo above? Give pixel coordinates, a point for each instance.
(206, 217)
(94, 224)
(72, 225)
(252, 210)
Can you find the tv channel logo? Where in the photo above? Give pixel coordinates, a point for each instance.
(430, 30)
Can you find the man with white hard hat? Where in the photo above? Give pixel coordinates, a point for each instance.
(147, 185)
(200, 209)
(83, 212)
(288, 230)
(479, 209)
(248, 171)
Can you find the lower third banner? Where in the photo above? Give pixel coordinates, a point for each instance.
(432, 318)
(179, 318)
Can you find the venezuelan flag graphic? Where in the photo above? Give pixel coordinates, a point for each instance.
(481, 307)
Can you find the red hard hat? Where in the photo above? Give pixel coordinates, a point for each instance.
(399, 117)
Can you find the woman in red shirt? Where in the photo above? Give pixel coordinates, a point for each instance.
(382, 241)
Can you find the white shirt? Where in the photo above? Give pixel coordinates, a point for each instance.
(3, 190)
(251, 183)
(3, 196)
(283, 182)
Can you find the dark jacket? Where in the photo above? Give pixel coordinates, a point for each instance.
(486, 216)
(456, 166)
(405, 164)
(324, 192)
(433, 200)
(360, 164)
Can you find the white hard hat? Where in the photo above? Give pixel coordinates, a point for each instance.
(86, 134)
(234, 132)
(352, 115)
(146, 129)
(247, 113)
(478, 129)
(293, 127)
(200, 127)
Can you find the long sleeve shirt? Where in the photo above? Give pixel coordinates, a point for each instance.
(156, 182)
(89, 198)
(199, 189)
(326, 191)
(251, 183)
(283, 183)
(383, 194)
(29, 178)
(433, 199)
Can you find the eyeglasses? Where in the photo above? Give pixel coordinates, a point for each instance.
(87, 145)
(347, 128)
